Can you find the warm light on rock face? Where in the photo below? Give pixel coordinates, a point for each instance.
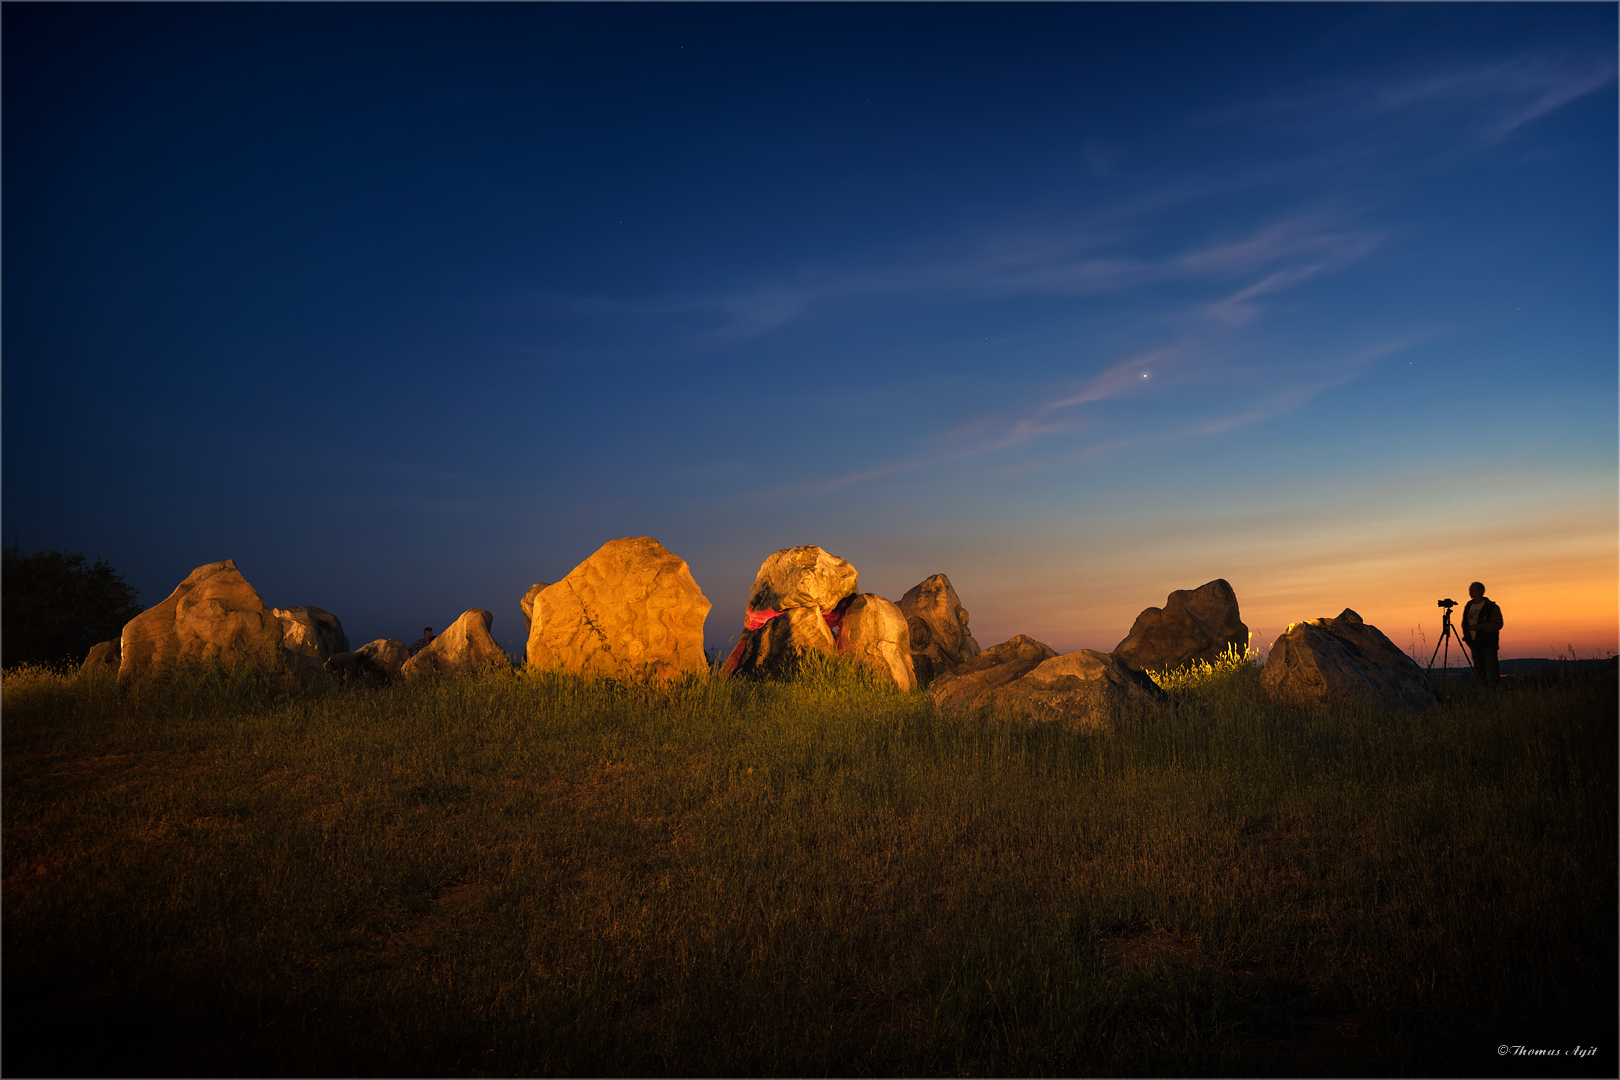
(874, 632)
(465, 647)
(213, 615)
(630, 611)
(1344, 657)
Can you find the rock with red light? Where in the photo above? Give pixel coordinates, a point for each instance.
(775, 649)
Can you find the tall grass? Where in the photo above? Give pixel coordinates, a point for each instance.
(218, 873)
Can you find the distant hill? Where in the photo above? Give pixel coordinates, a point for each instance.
(1530, 666)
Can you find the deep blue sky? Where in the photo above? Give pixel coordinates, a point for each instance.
(407, 307)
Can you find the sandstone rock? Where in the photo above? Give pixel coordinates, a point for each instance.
(1079, 690)
(103, 658)
(462, 649)
(938, 623)
(801, 577)
(630, 611)
(311, 632)
(872, 631)
(968, 685)
(1195, 624)
(213, 615)
(527, 604)
(375, 662)
(774, 650)
(1344, 658)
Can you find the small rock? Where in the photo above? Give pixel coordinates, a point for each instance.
(375, 662)
(462, 649)
(993, 668)
(103, 658)
(527, 604)
(1079, 690)
(311, 632)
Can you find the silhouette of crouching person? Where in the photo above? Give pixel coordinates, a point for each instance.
(422, 642)
(1482, 630)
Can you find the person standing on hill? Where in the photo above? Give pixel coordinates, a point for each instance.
(1482, 630)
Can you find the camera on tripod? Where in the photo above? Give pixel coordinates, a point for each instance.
(1447, 603)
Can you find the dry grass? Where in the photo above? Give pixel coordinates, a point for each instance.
(225, 875)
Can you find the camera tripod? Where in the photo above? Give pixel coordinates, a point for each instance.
(1447, 634)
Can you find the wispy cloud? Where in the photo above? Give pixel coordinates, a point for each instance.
(1294, 249)
(1490, 101)
(1138, 376)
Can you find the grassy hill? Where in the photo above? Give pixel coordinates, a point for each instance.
(219, 874)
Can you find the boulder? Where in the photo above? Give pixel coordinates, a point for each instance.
(1344, 658)
(527, 604)
(873, 632)
(1194, 624)
(630, 611)
(103, 658)
(214, 615)
(1079, 690)
(375, 662)
(311, 632)
(773, 651)
(462, 649)
(801, 577)
(968, 685)
(938, 624)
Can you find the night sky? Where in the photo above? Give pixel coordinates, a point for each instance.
(405, 308)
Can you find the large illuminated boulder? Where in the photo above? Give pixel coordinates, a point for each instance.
(938, 626)
(465, 647)
(873, 632)
(802, 577)
(213, 616)
(1194, 624)
(630, 611)
(970, 685)
(1344, 658)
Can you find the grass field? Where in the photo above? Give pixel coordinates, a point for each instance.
(219, 874)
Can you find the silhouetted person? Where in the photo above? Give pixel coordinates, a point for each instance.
(422, 642)
(1482, 630)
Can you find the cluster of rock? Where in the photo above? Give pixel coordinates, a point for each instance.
(806, 601)
(632, 611)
